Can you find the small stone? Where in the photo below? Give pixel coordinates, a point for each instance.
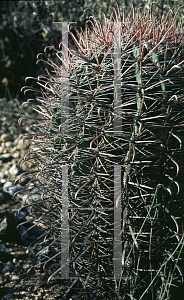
(21, 144)
(15, 278)
(8, 268)
(6, 172)
(23, 232)
(13, 150)
(2, 247)
(32, 237)
(10, 188)
(28, 217)
(38, 230)
(3, 225)
(19, 214)
(1, 149)
(9, 250)
(5, 157)
(6, 137)
(23, 181)
(25, 266)
(14, 170)
(8, 144)
(1, 279)
(2, 175)
(27, 199)
(8, 296)
(23, 293)
(7, 185)
(16, 154)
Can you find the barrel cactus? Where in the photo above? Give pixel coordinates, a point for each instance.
(106, 159)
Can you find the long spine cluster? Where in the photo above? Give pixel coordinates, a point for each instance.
(149, 150)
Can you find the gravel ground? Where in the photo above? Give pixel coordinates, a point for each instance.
(15, 259)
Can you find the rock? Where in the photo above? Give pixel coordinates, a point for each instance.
(38, 230)
(6, 172)
(14, 170)
(5, 157)
(2, 175)
(28, 198)
(25, 266)
(8, 268)
(25, 180)
(2, 180)
(29, 218)
(9, 250)
(2, 247)
(13, 150)
(6, 137)
(10, 188)
(14, 218)
(16, 154)
(3, 225)
(7, 186)
(22, 230)
(19, 214)
(4, 206)
(1, 149)
(8, 144)
(21, 144)
(15, 278)
(8, 296)
(32, 237)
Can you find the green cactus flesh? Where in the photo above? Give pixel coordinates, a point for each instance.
(149, 151)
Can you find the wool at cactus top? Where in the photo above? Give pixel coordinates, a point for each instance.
(126, 178)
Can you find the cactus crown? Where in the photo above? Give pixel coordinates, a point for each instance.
(147, 151)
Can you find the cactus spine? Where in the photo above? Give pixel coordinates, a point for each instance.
(149, 151)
